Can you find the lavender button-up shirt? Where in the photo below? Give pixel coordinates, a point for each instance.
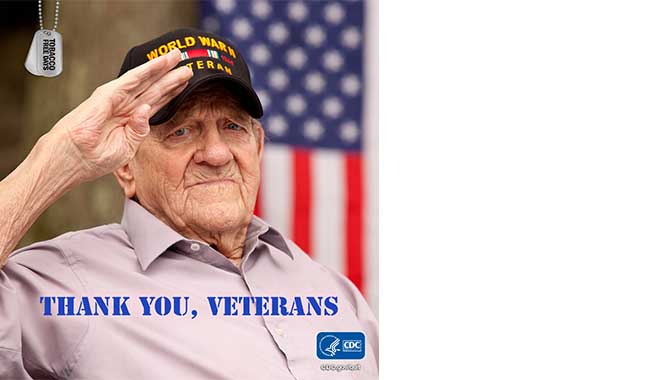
(143, 257)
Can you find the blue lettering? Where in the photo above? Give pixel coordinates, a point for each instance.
(84, 307)
(177, 305)
(297, 308)
(261, 306)
(316, 304)
(47, 306)
(275, 306)
(214, 305)
(247, 305)
(163, 305)
(231, 306)
(66, 305)
(119, 306)
(146, 305)
(332, 306)
(102, 304)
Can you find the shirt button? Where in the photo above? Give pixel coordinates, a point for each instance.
(280, 332)
(195, 246)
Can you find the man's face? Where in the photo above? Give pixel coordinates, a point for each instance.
(200, 171)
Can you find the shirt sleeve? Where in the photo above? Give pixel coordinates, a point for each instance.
(33, 345)
(11, 359)
(364, 312)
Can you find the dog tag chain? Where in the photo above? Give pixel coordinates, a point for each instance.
(45, 56)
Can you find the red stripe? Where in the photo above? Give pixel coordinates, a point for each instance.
(301, 231)
(197, 53)
(354, 219)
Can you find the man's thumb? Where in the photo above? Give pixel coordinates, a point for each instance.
(137, 127)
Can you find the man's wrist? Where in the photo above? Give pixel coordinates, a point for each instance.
(52, 166)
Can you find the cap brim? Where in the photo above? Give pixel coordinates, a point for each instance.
(247, 95)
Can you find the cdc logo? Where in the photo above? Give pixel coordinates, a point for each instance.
(340, 345)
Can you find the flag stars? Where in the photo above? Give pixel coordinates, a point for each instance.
(334, 13)
(314, 35)
(224, 6)
(332, 60)
(296, 58)
(278, 33)
(242, 28)
(261, 9)
(278, 79)
(349, 131)
(277, 125)
(211, 24)
(351, 37)
(260, 54)
(313, 129)
(304, 57)
(296, 104)
(314, 82)
(297, 11)
(332, 107)
(350, 85)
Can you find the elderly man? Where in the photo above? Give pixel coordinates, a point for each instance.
(190, 284)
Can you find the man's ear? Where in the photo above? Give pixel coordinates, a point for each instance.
(260, 137)
(125, 178)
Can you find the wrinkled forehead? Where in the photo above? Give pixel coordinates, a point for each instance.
(211, 107)
(210, 102)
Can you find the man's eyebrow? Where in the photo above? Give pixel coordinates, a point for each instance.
(183, 117)
(162, 129)
(241, 118)
(238, 114)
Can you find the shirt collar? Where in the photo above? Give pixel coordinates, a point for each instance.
(268, 235)
(151, 237)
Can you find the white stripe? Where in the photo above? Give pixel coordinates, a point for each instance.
(277, 188)
(328, 209)
(371, 154)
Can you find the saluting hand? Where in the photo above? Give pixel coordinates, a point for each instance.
(106, 130)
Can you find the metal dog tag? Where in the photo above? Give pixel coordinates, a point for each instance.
(45, 56)
(31, 61)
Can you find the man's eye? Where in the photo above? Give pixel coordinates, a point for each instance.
(233, 126)
(180, 132)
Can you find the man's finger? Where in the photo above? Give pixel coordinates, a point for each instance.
(167, 83)
(137, 80)
(155, 107)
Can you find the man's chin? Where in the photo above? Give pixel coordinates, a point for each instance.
(213, 218)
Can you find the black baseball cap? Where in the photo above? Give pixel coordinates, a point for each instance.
(211, 58)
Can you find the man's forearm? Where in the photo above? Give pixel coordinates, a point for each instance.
(50, 169)
(97, 137)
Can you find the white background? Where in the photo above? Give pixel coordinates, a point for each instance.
(514, 185)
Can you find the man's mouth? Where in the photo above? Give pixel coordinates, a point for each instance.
(214, 181)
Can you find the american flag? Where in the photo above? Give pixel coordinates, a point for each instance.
(307, 66)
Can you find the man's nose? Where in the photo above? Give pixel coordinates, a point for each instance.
(213, 149)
